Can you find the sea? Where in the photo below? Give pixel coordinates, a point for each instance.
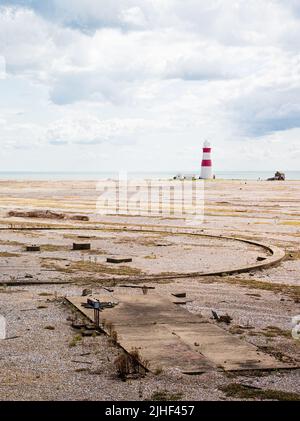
(104, 175)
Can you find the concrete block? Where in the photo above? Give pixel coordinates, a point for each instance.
(81, 246)
(118, 260)
(33, 248)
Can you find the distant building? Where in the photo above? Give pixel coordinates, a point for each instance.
(185, 177)
(279, 176)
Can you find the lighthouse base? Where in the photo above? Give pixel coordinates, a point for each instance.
(206, 173)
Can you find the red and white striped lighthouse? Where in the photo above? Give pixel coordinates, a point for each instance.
(206, 166)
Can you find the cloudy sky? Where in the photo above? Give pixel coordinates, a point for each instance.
(139, 84)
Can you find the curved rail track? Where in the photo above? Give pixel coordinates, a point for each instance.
(276, 255)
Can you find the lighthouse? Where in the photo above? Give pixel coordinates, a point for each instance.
(206, 166)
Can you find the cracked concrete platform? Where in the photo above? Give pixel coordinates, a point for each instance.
(168, 336)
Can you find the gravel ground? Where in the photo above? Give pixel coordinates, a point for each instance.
(39, 363)
(42, 357)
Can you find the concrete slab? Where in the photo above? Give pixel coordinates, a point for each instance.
(161, 348)
(224, 349)
(169, 336)
(139, 309)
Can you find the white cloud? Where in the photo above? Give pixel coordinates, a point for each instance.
(90, 130)
(2, 67)
(133, 16)
(141, 71)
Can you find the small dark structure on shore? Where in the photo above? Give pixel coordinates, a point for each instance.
(81, 246)
(279, 176)
(33, 248)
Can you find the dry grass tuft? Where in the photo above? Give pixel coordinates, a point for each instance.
(237, 390)
(130, 364)
(92, 267)
(7, 254)
(165, 395)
